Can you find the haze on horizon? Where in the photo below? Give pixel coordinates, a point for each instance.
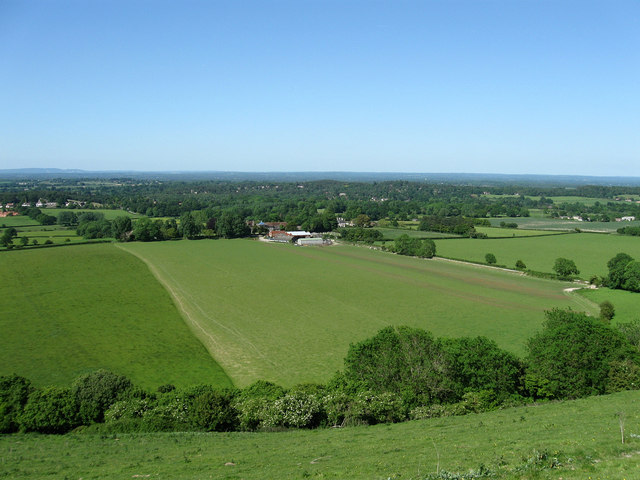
(523, 87)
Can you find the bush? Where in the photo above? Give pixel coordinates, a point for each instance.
(607, 311)
(51, 410)
(520, 265)
(133, 408)
(296, 409)
(405, 361)
(212, 411)
(252, 412)
(96, 391)
(572, 356)
(373, 408)
(480, 365)
(14, 392)
(490, 258)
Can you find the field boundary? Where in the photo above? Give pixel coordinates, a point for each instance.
(183, 311)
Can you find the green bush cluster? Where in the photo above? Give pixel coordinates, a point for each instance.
(400, 373)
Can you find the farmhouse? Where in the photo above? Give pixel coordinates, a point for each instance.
(626, 219)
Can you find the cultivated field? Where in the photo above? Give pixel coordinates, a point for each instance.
(590, 252)
(573, 440)
(288, 314)
(68, 311)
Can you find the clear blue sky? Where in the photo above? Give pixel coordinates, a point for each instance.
(549, 87)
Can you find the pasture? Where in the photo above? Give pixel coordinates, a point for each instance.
(549, 223)
(17, 221)
(109, 214)
(590, 251)
(68, 311)
(288, 314)
(493, 232)
(626, 304)
(572, 440)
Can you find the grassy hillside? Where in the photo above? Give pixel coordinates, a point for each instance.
(66, 311)
(288, 314)
(573, 440)
(589, 251)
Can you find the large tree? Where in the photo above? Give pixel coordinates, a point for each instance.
(572, 356)
(565, 268)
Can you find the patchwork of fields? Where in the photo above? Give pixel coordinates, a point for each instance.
(288, 314)
(71, 310)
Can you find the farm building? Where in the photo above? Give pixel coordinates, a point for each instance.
(310, 241)
(282, 236)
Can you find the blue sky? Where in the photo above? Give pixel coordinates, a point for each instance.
(548, 87)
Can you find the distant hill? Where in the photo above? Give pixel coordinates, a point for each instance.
(459, 178)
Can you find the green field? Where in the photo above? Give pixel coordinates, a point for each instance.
(517, 443)
(67, 311)
(109, 214)
(627, 304)
(393, 233)
(17, 221)
(590, 252)
(548, 223)
(288, 314)
(493, 232)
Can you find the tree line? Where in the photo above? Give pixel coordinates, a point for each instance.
(401, 373)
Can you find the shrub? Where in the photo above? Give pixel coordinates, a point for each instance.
(490, 258)
(14, 392)
(213, 411)
(295, 409)
(252, 412)
(50, 410)
(479, 364)
(520, 265)
(571, 357)
(375, 408)
(607, 311)
(96, 391)
(128, 409)
(403, 360)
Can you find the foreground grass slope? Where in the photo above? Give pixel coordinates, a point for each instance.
(288, 314)
(67, 311)
(583, 435)
(590, 251)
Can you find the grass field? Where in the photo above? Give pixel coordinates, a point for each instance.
(17, 221)
(493, 232)
(67, 311)
(109, 214)
(583, 436)
(288, 314)
(548, 223)
(590, 252)
(626, 304)
(393, 233)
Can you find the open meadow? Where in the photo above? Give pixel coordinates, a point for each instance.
(572, 440)
(288, 314)
(590, 251)
(69, 311)
(626, 304)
